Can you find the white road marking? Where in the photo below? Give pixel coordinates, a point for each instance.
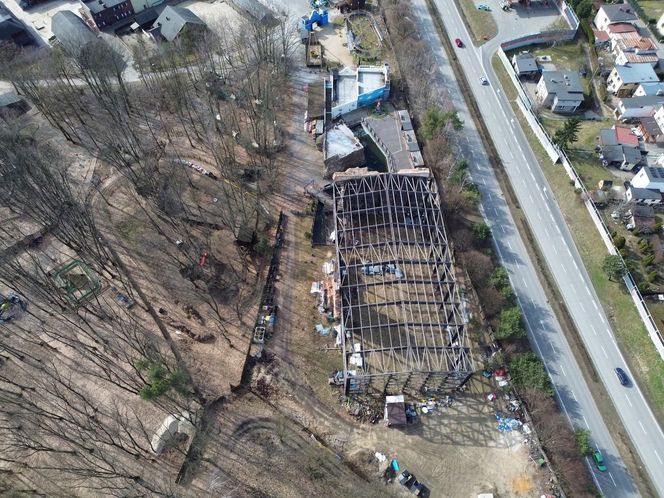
(594, 330)
(582, 307)
(642, 428)
(613, 480)
(604, 351)
(575, 265)
(658, 458)
(524, 282)
(595, 306)
(562, 370)
(601, 317)
(502, 227)
(509, 245)
(627, 398)
(539, 215)
(531, 199)
(484, 181)
(585, 421)
(554, 249)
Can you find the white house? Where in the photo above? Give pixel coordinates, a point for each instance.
(613, 13)
(561, 91)
(647, 89)
(624, 80)
(649, 177)
(643, 196)
(637, 107)
(660, 25)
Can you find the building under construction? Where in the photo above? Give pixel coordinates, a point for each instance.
(402, 323)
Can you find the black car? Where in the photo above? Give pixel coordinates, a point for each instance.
(408, 480)
(622, 376)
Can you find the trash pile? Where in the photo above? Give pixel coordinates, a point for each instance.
(507, 424)
(362, 409)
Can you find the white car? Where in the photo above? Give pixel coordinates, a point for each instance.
(483, 80)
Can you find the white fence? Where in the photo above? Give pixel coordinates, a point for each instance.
(556, 154)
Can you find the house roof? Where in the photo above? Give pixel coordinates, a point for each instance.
(12, 28)
(644, 193)
(601, 36)
(637, 73)
(618, 12)
(256, 10)
(172, 21)
(566, 85)
(525, 63)
(640, 102)
(650, 127)
(635, 41)
(7, 99)
(653, 173)
(643, 211)
(621, 153)
(618, 135)
(71, 31)
(621, 27)
(97, 6)
(654, 88)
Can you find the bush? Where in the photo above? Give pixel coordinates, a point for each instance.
(582, 440)
(648, 260)
(527, 370)
(481, 232)
(499, 278)
(619, 241)
(307, 235)
(643, 287)
(510, 325)
(652, 276)
(159, 380)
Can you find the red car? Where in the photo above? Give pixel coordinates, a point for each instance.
(458, 42)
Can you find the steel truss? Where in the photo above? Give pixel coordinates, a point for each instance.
(400, 306)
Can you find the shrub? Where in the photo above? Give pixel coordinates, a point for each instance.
(648, 260)
(481, 232)
(582, 440)
(307, 235)
(499, 278)
(159, 380)
(619, 241)
(510, 325)
(643, 287)
(527, 370)
(652, 276)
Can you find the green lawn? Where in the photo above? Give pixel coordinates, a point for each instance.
(653, 8)
(618, 305)
(566, 57)
(481, 24)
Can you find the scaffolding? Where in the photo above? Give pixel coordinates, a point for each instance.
(403, 325)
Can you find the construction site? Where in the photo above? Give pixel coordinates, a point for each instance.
(401, 314)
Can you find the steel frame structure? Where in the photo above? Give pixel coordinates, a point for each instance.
(401, 313)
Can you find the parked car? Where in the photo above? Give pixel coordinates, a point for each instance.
(483, 7)
(458, 42)
(483, 80)
(598, 458)
(622, 376)
(408, 480)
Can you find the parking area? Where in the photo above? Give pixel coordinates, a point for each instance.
(520, 20)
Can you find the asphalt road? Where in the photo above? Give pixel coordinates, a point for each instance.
(559, 251)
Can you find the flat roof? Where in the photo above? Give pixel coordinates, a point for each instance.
(402, 315)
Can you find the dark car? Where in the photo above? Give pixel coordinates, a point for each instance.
(458, 42)
(407, 480)
(622, 376)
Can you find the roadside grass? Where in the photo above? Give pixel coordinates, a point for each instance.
(630, 332)
(481, 24)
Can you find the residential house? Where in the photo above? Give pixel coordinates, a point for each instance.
(602, 39)
(561, 91)
(173, 21)
(143, 5)
(631, 108)
(71, 32)
(643, 196)
(13, 29)
(660, 25)
(625, 79)
(620, 148)
(650, 130)
(645, 89)
(650, 177)
(635, 49)
(106, 13)
(613, 13)
(353, 88)
(525, 64)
